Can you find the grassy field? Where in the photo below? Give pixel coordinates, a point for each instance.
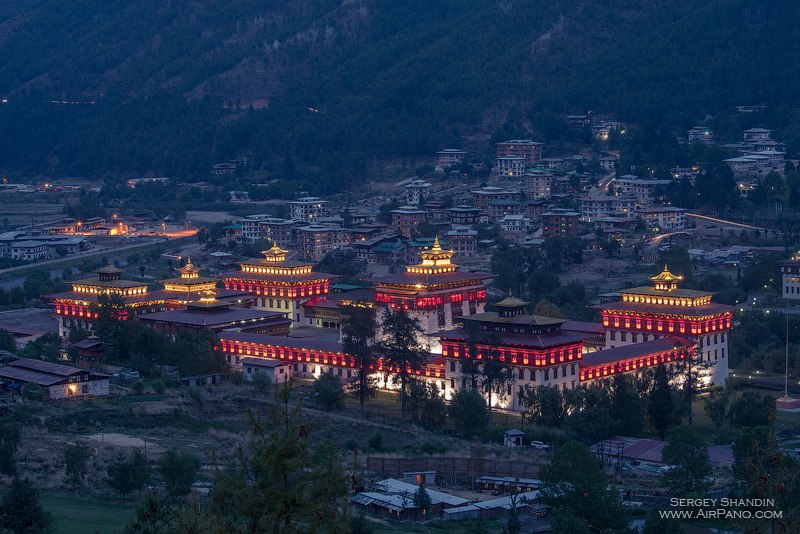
(74, 515)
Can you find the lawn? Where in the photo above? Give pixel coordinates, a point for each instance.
(74, 515)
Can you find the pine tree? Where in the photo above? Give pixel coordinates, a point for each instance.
(401, 348)
(359, 329)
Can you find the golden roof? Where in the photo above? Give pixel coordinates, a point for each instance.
(275, 253)
(511, 302)
(434, 261)
(666, 276)
(189, 267)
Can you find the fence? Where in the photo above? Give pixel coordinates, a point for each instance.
(452, 470)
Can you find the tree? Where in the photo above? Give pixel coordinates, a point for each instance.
(591, 411)
(75, 458)
(768, 473)
(716, 408)
(281, 481)
(9, 441)
(563, 520)
(468, 412)
(660, 404)
(627, 406)
(178, 470)
(120, 476)
(544, 405)
(574, 484)
(422, 500)
(494, 377)
(686, 452)
(262, 383)
(426, 405)
(126, 474)
(402, 348)
(359, 329)
(545, 308)
(153, 516)
(7, 341)
(751, 409)
(656, 524)
(328, 392)
(20, 511)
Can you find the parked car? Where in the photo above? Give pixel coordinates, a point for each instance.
(540, 446)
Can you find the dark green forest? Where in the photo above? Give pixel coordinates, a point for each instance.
(328, 89)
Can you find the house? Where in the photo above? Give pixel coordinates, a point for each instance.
(515, 225)
(277, 371)
(56, 381)
(538, 184)
(599, 206)
(513, 438)
(608, 163)
(644, 191)
(510, 166)
(28, 250)
(664, 217)
(417, 192)
(464, 242)
(535, 208)
(450, 157)
(579, 121)
(483, 196)
(559, 223)
(89, 352)
(316, 240)
(394, 499)
(701, 134)
(464, 215)
(529, 150)
(497, 209)
(308, 209)
(406, 218)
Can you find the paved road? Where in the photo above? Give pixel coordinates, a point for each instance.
(79, 256)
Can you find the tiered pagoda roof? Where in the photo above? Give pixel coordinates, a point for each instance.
(436, 271)
(275, 266)
(665, 297)
(189, 280)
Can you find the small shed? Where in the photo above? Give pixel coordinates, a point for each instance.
(89, 352)
(513, 438)
(420, 478)
(201, 380)
(276, 370)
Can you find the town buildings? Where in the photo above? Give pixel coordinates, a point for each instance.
(600, 206)
(644, 191)
(538, 184)
(406, 218)
(701, 134)
(663, 217)
(559, 222)
(510, 166)
(417, 192)
(450, 157)
(528, 149)
(316, 240)
(790, 274)
(308, 209)
(463, 242)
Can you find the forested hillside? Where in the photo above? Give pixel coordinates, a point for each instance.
(322, 89)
